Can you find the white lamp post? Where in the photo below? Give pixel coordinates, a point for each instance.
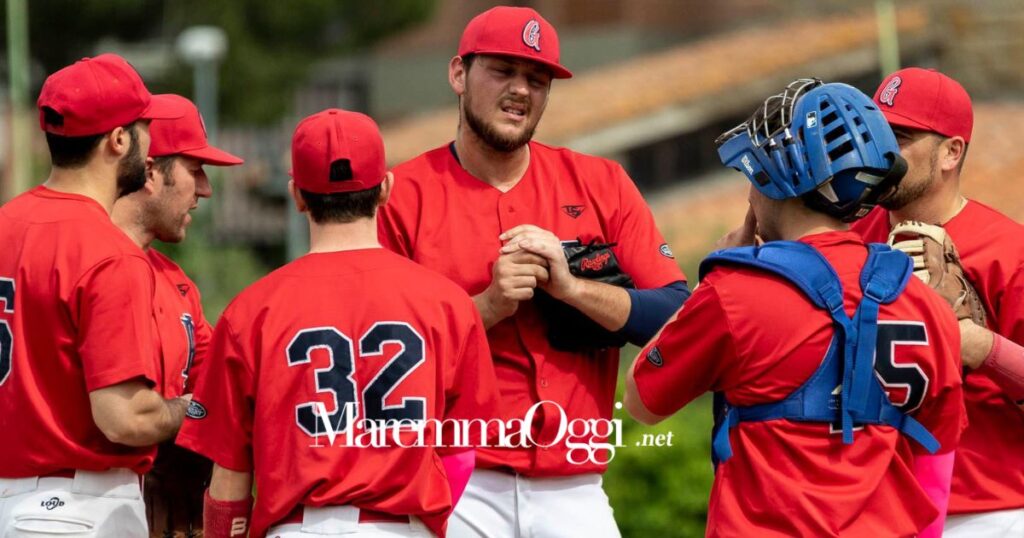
(203, 47)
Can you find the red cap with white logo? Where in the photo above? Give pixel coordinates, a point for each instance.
(185, 135)
(926, 100)
(519, 32)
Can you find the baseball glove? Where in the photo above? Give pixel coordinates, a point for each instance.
(174, 492)
(569, 329)
(937, 263)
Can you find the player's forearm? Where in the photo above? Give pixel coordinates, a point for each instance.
(227, 504)
(229, 485)
(488, 313)
(156, 423)
(605, 304)
(634, 405)
(134, 415)
(1004, 364)
(975, 343)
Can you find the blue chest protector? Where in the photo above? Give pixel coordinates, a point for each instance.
(843, 391)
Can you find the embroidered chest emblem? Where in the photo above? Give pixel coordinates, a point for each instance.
(573, 211)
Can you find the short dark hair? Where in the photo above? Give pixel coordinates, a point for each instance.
(67, 151)
(341, 207)
(468, 60)
(165, 165)
(71, 151)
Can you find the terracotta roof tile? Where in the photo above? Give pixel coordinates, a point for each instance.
(681, 75)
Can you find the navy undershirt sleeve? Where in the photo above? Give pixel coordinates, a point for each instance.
(650, 309)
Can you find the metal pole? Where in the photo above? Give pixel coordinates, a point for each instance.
(297, 240)
(17, 62)
(206, 95)
(888, 37)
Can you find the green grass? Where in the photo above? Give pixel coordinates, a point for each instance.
(663, 491)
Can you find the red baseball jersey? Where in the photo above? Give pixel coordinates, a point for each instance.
(444, 218)
(363, 327)
(989, 470)
(757, 338)
(77, 316)
(182, 331)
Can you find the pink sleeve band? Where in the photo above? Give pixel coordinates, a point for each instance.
(935, 473)
(1005, 365)
(458, 467)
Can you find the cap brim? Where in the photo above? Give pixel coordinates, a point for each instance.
(162, 108)
(214, 156)
(557, 71)
(897, 120)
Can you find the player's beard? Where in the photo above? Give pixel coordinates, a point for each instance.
(131, 169)
(490, 135)
(911, 191)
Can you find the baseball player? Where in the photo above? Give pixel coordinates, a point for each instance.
(160, 211)
(348, 334)
(838, 393)
(79, 411)
(932, 117)
(492, 210)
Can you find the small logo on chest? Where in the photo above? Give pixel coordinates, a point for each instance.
(183, 289)
(573, 211)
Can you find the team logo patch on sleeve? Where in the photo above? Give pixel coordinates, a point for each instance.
(195, 410)
(654, 357)
(665, 251)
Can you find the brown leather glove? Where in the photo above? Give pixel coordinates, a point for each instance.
(937, 263)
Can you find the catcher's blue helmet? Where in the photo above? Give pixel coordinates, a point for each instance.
(826, 143)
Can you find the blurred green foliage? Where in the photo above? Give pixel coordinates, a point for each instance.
(272, 43)
(220, 271)
(663, 491)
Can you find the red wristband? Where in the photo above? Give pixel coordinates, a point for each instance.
(1005, 365)
(224, 519)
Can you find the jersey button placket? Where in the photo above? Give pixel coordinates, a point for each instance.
(506, 213)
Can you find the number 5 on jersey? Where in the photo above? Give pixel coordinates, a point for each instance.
(336, 379)
(6, 334)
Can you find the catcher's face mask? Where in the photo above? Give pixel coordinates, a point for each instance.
(825, 143)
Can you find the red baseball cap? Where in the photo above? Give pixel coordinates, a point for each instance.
(926, 100)
(185, 135)
(96, 95)
(519, 32)
(337, 151)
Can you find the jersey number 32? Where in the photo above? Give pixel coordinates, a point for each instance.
(337, 378)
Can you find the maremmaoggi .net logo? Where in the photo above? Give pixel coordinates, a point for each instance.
(586, 440)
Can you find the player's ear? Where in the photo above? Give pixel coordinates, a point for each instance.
(385, 189)
(952, 153)
(457, 75)
(118, 141)
(300, 204)
(151, 176)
